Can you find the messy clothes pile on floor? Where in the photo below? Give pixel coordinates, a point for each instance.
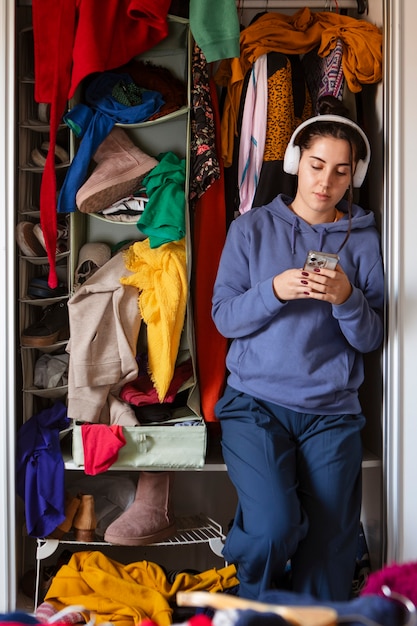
(124, 595)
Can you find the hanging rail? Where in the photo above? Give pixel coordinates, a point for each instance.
(324, 5)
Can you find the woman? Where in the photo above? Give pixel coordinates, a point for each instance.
(290, 414)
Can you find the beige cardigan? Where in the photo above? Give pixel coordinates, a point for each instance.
(104, 328)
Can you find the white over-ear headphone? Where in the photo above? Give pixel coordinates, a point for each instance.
(293, 153)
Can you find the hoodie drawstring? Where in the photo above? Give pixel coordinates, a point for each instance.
(296, 227)
(322, 232)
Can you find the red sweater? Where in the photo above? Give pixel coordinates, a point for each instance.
(72, 39)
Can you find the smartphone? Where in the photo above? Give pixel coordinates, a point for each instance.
(326, 260)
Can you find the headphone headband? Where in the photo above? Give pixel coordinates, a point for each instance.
(293, 153)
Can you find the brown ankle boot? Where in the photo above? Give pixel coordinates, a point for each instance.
(121, 166)
(85, 523)
(71, 507)
(150, 518)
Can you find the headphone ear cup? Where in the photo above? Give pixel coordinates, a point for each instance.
(292, 159)
(360, 173)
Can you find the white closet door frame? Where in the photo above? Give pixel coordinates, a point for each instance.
(7, 309)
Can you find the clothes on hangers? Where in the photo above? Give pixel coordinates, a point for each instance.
(288, 104)
(298, 34)
(204, 161)
(253, 132)
(324, 75)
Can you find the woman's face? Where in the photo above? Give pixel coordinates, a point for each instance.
(323, 177)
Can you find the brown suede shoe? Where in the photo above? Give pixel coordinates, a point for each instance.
(71, 508)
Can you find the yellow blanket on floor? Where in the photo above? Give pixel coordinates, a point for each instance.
(160, 274)
(125, 595)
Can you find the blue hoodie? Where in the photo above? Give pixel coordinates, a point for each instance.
(305, 354)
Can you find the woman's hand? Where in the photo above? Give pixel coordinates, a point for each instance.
(321, 284)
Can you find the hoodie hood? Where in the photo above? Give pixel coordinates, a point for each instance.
(361, 219)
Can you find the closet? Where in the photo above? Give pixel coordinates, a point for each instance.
(203, 490)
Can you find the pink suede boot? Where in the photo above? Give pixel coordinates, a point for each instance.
(121, 166)
(150, 518)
